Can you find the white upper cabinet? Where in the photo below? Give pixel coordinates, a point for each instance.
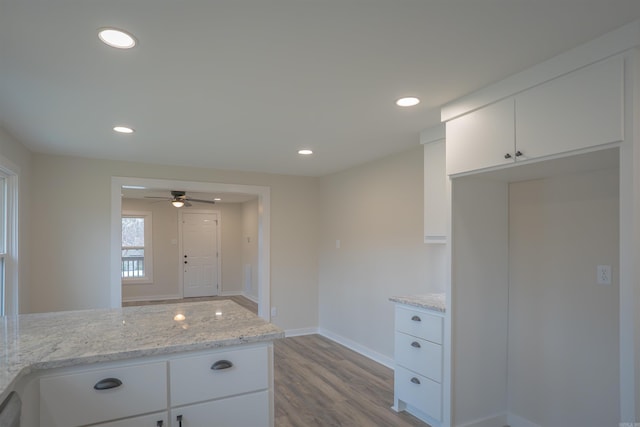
(435, 185)
(580, 110)
(576, 111)
(481, 139)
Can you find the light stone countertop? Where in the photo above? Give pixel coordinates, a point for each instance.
(30, 342)
(432, 301)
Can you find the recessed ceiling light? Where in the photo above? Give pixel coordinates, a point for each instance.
(217, 199)
(409, 101)
(305, 152)
(123, 129)
(116, 38)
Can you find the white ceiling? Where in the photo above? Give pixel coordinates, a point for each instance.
(243, 84)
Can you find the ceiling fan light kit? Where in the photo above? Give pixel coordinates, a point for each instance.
(180, 199)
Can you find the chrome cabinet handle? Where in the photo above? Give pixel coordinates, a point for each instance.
(179, 420)
(107, 384)
(415, 344)
(519, 153)
(415, 380)
(507, 156)
(160, 423)
(221, 364)
(416, 319)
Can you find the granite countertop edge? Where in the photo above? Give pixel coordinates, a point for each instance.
(431, 301)
(16, 369)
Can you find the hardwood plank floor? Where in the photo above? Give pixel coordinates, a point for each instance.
(321, 383)
(243, 301)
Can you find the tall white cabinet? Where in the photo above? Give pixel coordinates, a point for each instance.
(559, 140)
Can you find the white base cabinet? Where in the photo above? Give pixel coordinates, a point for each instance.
(154, 420)
(232, 387)
(419, 362)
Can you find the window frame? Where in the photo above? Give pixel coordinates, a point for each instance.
(147, 216)
(9, 302)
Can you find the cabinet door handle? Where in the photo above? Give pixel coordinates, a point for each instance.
(415, 380)
(507, 156)
(221, 364)
(415, 344)
(160, 423)
(416, 319)
(107, 383)
(519, 153)
(179, 420)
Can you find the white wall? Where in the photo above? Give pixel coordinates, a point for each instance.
(71, 233)
(20, 156)
(563, 326)
(376, 211)
(165, 255)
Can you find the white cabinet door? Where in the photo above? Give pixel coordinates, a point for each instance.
(154, 420)
(580, 110)
(100, 395)
(435, 193)
(249, 410)
(481, 139)
(218, 374)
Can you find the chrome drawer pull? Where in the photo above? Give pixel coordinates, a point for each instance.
(415, 380)
(416, 319)
(221, 364)
(415, 344)
(107, 384)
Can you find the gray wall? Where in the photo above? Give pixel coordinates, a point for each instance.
(563, 326)
(376, 211)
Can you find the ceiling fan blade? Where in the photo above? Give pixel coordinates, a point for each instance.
(155, 197)
(201, 201)
(187, 204)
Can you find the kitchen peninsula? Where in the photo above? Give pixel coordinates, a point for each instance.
(140, 366)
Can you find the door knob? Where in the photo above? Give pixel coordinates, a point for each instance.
(185, 262)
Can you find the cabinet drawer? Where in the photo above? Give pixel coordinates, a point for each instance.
(419, 323)
(418, 355)
(70, 400)
(249, 410)
(418, 391)
(193, 379)
(154, 420)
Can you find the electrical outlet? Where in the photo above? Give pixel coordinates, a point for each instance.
(604, 275)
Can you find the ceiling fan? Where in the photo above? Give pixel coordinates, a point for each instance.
(180, 199)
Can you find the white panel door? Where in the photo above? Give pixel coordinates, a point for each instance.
(200, 254)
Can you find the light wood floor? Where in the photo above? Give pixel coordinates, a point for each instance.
(321, 383)
(243, 301)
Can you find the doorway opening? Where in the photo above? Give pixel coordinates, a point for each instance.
(260, 193)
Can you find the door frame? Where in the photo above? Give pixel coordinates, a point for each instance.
(218, 247)
(264, 229)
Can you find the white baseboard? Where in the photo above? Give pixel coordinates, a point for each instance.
(300, 332)
(358, 348)
(230, 293)
(250, 297)
(151, 298)
(498, 420)
(518, 421)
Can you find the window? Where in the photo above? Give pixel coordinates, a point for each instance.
(8, 237)
(3, 240)
(137, 259)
